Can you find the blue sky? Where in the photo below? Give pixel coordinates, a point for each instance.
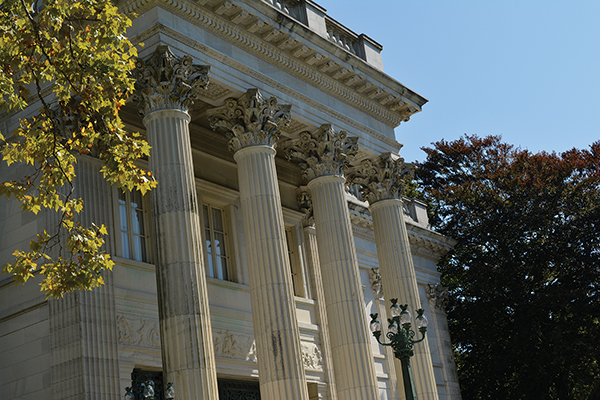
(528, 70)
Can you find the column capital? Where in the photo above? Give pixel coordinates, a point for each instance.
(322, 152)
(165, 81)
(381, 178)
(250, 120)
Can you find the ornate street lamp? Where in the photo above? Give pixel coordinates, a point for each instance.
(148, 391)
(401, 339)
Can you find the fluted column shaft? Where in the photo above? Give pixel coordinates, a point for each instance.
(350, 340)
(399, 280)
(310, 238)
(186, 337)
(273, 308)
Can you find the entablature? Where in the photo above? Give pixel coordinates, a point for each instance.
(298, 49)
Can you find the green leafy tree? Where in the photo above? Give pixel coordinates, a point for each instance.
(524, 278)
(68, 61)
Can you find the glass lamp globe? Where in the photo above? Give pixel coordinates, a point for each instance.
(392, 327)
(375, 326)
(395, 309)
(405, 317)
(422, 321)
(169, 391)
(148, 390)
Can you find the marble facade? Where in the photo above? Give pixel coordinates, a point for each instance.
(278, 224)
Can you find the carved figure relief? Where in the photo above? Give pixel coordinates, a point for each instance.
(305, 202)
(376, 286)
(234, 345)
(242, 346)
(311, 356)
(138, 332)
(437, 295)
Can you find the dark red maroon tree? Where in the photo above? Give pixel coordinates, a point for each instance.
(525, 275)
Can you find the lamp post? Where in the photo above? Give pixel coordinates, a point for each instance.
(402, 340)
(148, 392)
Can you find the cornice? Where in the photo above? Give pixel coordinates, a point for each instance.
(270, 41)
(423, 242)
(161, 29)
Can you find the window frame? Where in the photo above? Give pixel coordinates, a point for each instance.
(146, 221)
(226, 200)
(298, 268)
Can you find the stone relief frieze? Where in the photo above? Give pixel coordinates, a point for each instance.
(312, 357)
(241, 346)
(142, 332)
(234, 345)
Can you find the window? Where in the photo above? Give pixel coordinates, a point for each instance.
(299, 282)
(133, 227)
(290, 243)
(216, 247)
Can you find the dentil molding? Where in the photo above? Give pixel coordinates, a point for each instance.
(263, 37)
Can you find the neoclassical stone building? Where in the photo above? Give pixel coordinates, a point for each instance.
(277, 226)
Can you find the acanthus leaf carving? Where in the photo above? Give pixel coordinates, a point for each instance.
(165, 81)
(381, 178)
(250, 120)
(322, 152)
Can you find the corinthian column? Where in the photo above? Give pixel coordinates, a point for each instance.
(165, 87)
(322, 155)
(252, 125)
(382, 184)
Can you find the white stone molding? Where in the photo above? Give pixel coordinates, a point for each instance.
(257, 37)
(381, 178)
(437, 295)
(250, 120)
(246, 70)
(165, 81)
(322, 152)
